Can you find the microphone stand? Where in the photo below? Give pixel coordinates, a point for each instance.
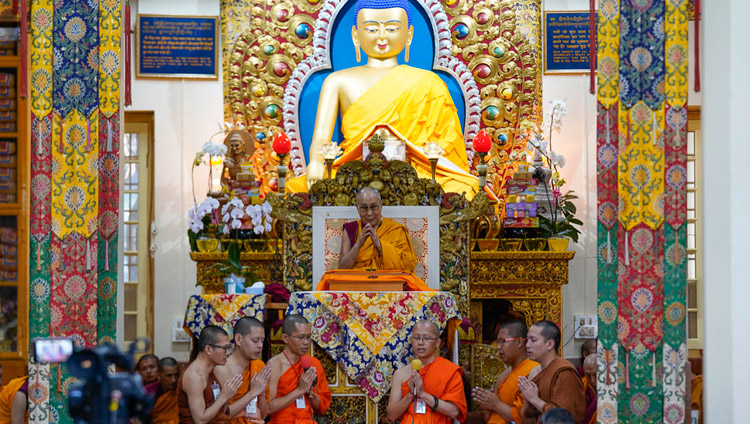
(414, 409)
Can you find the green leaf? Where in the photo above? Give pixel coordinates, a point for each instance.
(234, 256)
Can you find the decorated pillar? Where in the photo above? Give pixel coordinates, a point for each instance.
(641, 165)
(75, 133)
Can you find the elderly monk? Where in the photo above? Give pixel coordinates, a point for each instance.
(499, 404)
(375, 243)
(165, 405)
(298, 387)
(437, 388)
(200, 397)
(414, 102)
(148, 368)
(557, 384)
(13, 401)
(249, 403)
(589, 387)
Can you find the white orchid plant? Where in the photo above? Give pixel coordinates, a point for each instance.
(562, 224)
(235, 216)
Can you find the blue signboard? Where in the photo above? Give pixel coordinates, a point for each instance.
(566, 47)
(177, 46)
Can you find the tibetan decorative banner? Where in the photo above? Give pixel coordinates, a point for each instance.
(75, 133)
(641, 166)
(566, 42)
(223, 310)
(367, 334)
(177, 47)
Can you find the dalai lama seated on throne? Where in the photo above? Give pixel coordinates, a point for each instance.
(375, 249)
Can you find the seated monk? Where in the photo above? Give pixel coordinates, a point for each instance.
(437, 388)
(414, 102)
(498, 404)
(200, 397)
(249, 403)
(148, 368)
(375, 243)
(298, 387)
(589, 387)
(557, 384)
(14, 401)
(165, 405)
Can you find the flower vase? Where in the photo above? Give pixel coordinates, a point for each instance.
(558, 244)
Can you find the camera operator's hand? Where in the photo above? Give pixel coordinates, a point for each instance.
(231, 386)
(260, 381)
(307, 379)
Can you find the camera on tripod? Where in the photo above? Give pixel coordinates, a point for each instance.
(100, 396)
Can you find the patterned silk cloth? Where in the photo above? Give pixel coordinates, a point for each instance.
(222, 309)
(367, 334)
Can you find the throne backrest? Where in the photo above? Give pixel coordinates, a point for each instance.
(423, 223)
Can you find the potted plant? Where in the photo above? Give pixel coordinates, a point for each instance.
(229, 269)
(203, 229)
(560, 229)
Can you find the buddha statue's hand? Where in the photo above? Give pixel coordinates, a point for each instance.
(315, 171)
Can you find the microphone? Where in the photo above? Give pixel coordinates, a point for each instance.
(306, 363)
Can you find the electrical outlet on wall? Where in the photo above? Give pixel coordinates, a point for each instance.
(585, 326)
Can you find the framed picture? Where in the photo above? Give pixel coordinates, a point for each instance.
(566, 42)
(177, 47)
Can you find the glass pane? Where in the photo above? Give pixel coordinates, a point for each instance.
(131, 327)
(130, 207)
(691, 143)
(126, 144)
(9, 318)
(131, 146)
(691, 270)
(691, 214)
(691, 241)
(691, 200)
(692, 292)
(131, 237)
(692, 325)
(134, 175)
(131, 297)
(691, 171)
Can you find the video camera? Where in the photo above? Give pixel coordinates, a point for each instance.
(100, 397)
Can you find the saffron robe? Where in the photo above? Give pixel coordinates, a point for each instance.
(508, 392)
(288, 382)
(559, 386)
(441, 378)
(7, 395)
(165, 409)
(590, 402)
(416, 103)
(247, 377)
(398, 254)
(183, 406)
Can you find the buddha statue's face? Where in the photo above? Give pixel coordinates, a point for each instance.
(237, 145)
(382, 33)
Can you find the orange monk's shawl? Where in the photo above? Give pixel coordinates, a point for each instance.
(559, 386)
(508, 392)
(441, 378)
(247, 377)
(288, 382)
(7, 395)
(165, 409)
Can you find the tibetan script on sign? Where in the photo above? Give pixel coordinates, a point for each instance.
(566, 44)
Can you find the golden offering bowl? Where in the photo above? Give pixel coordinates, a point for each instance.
(208, 245)
(255, 245)
(535, 244)
(511, 244)
(488, 244)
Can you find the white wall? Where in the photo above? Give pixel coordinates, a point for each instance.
(186, 113)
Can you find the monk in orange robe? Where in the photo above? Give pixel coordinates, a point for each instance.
(165, 409)
(435, 393)
(375, 243)
(557, 384)
(298, 387)
(200, 397)
(249, 403)
(498, 404)
(13, 401)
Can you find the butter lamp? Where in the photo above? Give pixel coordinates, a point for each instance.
(482, 145)
(281, 146)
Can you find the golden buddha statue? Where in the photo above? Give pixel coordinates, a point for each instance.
(413, 102)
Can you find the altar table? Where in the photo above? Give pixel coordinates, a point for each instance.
(223, 310)
(367, 334)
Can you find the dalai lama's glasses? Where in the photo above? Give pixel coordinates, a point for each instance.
(366, 208)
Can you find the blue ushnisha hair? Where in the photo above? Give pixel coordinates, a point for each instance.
(382, 4)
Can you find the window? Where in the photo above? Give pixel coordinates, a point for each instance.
(694, 257)
(136, 209)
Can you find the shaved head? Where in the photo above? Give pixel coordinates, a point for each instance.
(245, 325)
(211, 334)
(433, 328)
(588, 347)
(368, 192)
(167, 361)
(515, 329)
(550, 331)
(589, 370)
(289, 325)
